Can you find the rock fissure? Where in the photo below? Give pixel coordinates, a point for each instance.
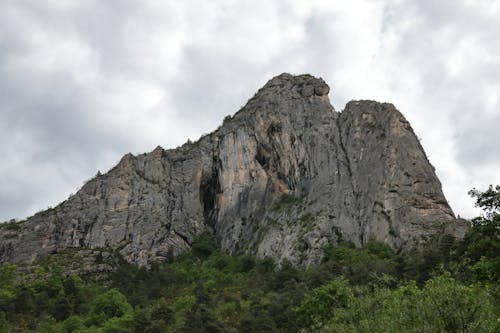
(283, 177)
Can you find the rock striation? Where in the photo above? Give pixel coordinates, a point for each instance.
(283, 177)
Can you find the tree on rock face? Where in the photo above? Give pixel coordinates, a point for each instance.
(204, 245)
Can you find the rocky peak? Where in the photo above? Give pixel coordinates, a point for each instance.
(300, 86)
(284, 177)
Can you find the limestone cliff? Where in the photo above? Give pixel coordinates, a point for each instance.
(283, 177)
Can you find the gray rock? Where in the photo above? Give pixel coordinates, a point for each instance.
(283, 178)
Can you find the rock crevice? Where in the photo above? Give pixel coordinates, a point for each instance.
(283, 177)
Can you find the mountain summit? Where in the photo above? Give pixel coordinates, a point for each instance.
(284, 177)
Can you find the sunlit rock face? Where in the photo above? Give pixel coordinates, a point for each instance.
(283, 177)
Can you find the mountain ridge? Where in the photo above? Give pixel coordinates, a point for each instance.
(283, 177)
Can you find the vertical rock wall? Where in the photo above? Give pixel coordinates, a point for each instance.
(284, 177)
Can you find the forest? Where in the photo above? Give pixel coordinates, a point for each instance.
(446, 286)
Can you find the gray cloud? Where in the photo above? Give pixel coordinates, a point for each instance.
(84, 82)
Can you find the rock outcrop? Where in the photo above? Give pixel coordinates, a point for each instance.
(283, 177)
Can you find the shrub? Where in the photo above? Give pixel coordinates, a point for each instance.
(109, 305)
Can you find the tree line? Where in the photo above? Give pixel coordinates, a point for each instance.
(446, 286)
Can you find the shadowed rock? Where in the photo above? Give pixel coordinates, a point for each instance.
(285, 176)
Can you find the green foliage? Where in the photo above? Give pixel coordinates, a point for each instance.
(361, 265)
(488, 200)
(4, 325)
(121, 324)
(227, 119)
(353, 290)
(325, 303)
(204, 245)
(183, 303)
(487, 270)
(110, 305)
(8, 273)
(482, 245)
(452, 307)
(73, 324)
(442, 305)
(445, 286)
(12, 224)
(286, 201)
(161, 311)
(7, 285)
(379, 250)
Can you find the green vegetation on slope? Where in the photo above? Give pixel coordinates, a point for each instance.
(447, 286)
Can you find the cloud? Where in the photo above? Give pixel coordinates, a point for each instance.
(84, 82)
(452, 49)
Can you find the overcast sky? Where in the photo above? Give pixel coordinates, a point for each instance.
(84, 82)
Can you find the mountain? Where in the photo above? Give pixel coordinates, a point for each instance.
(283, 177)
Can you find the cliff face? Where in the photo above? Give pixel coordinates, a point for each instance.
(284, 177)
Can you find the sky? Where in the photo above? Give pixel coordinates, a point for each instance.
(83, 82)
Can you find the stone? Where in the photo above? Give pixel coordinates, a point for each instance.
(286, 176)
(321, 89)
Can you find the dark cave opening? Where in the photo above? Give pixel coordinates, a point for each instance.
(209, 188)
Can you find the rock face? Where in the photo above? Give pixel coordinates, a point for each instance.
(283, 177)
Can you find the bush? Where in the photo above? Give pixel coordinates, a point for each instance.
(111, 304)
(204, 245)
(122, 324)
(323, 304)
(73, 324)
(4, 325)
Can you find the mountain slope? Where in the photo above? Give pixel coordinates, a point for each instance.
(284, 177)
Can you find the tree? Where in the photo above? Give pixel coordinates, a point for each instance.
(111, 304)
(483, 242)
(488, 200)
(7, 286)
(322, 305)
(72, 324)
(204, 245)
(453, 307)
(4, 325)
